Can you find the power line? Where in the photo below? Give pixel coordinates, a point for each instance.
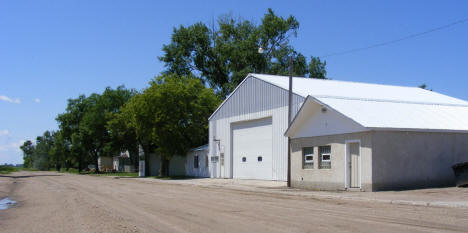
(397, 40)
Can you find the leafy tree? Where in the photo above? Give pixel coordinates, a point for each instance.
(224, 54)
(317, 68)
(69, 123)
(424, 86)
(59, 150)
(183, 105)
(122, 133)
(28, 149)
(136, 115)
(95, 137)
(41, 156)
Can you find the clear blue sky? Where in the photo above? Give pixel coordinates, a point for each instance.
(53, 50)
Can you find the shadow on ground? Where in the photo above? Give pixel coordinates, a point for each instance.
(27, 176)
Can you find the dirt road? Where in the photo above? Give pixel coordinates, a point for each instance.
(53, 202)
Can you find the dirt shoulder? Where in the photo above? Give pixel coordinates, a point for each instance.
(53, 202)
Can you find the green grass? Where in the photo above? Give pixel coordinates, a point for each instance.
(131, 174)
(8, 169)
(75, 171)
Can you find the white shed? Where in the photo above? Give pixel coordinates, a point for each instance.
(197, 162)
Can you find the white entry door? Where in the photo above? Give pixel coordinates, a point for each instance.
(252, 149)
(354, 162)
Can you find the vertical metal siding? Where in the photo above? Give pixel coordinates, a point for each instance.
(255, 99)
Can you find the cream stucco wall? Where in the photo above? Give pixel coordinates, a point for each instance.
(406, 160)
(334, 178)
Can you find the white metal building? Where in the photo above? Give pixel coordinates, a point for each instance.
(246, 136)
(246, 132)
(197, 162)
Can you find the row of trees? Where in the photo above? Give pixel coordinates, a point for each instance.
(203, 65)
(168, 118)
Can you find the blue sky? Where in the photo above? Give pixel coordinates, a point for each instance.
(53, 50)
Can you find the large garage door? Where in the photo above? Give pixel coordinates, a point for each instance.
(252, 149)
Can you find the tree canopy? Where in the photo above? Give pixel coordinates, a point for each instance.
(222, 55)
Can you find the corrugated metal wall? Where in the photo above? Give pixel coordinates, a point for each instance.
(254, 99)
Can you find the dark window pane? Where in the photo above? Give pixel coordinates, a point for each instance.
(244, 159)
(259, 158)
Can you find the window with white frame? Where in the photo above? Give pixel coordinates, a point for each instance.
(307, 157)
(195, 161)
(324, 157)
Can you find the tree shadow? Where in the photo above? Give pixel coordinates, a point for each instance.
(26, 176)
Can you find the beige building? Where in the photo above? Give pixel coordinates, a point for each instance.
(340, 143)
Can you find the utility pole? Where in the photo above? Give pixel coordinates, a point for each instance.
(289, 116)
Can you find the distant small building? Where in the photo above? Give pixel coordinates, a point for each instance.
(197, 162)
(105, 163)
(176, 165)
(122, 163)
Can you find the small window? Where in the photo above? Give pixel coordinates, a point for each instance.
(308, 158)
(259, 158)
(244, 159)
(195, 161)
(206, 160)
(325, 157)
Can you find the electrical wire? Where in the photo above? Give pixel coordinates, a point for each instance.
(396, 40)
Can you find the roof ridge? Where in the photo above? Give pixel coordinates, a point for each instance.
(335, 80)
(388, 100)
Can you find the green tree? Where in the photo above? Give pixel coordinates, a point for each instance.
(183, 105)
(136, 115)
(59, 150)
(224, 54)
(69, 123)
(122, 134)
(41, 156)
(317, 68)
(28, 149)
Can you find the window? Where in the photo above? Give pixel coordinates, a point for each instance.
(244, 159)
(308, 158)
(195, 161)
(206, 160)
(259, 158)
(325, 157)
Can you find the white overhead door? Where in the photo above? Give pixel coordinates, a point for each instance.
(252, 149)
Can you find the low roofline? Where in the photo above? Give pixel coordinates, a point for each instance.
(312, 98)
(417, 130)
(203, 147)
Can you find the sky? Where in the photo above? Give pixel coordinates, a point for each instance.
(51, 51)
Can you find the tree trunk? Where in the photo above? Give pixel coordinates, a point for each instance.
(134, 158)
(96, 162)
(79, 164)
(147, 151)
(164, 167)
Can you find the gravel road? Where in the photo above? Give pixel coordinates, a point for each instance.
(55, 202)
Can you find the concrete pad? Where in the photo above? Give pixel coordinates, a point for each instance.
(438, 197)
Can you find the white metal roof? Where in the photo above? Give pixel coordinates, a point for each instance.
(378, 106)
